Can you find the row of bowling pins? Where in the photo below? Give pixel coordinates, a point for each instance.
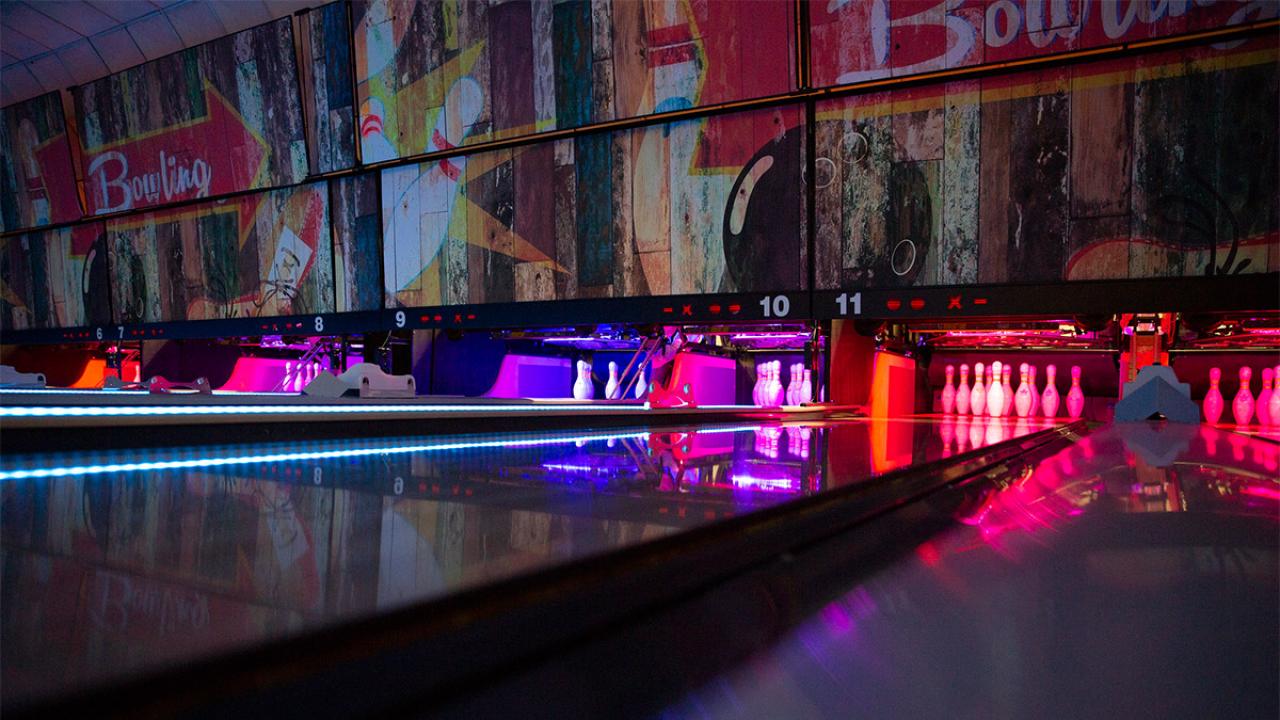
(798, 439)
(996, 397)
(768, 391)
(1243, 405)
(584, 389)
(298, 375)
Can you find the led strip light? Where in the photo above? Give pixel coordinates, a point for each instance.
(296, 456)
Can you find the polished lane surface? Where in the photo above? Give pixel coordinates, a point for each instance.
(1132, 574)
(119, 562)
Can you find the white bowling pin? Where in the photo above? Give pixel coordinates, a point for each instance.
(1264, 398)
(1213, 402)
(806, 396)
(642, 383)
(978, 396)
(1007, 408)
(582, 389)
(778, 395)
(1049, 398)
(793, 386)
(1022, 398)
(611, 387)
(962, 392)
(287, 383)
(1075, 397)
(1243, 404)
(995, 395)
(762, 378)
(1274, 403)
(949, 391)
(1035, 393)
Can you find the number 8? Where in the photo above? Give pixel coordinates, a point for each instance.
(319, 324)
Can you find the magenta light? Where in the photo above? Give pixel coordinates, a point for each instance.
(748, 482)
(769, 336)
(1262, 492)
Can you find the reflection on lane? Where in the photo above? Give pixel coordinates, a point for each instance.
(114, 561)
(1132, 574)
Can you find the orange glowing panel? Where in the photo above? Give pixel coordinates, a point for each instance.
(95, 371)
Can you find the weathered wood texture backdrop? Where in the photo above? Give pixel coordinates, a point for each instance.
(1165, 165)
(357, 243)
(54, 278)
(860, 40)
(37, 182)
(489, 70)
(699, 206)
(333, 130)
(256, 255)
(221, 117)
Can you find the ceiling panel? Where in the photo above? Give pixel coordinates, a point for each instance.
(117, 49)
(51, 43)
(39, 27)
(50, 72)
(83, 62)
(81, 17)
(195, 22)
(155, 36)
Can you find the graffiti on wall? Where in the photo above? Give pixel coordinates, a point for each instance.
(856, 40)
(256, 255)
(37, 184)
(1164, 165)
(213, 119)
(432, 74)
(54, 278)
(696, 206)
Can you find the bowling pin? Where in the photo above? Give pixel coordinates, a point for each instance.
(978, 396)
(1264, 398)
(287, 383)
(1274, 404)
(755, 390)
(1242, 406)
(962, 392)
(793, 384)
(1035, 394)
(1022, 398)
(1007, 408)
(949, 391)
(1049, 398)
(611, 387)
(995, 395)
(642, 384)
(1213, 403)
(806, 396)
(977, 429)
(778, 395)
(1075, 397)
(582, 389)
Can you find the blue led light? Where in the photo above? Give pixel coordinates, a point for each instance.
(295, 456)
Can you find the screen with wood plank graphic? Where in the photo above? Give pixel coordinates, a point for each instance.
(256, 255)
(1159, 165)
(433, 74)
(214, 119)
(54, 278)
(331, 141)
(697, 206)
(37, 182)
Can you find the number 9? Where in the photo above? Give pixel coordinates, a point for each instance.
(399, 318)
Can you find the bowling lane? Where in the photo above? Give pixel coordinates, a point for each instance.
(119, 562)
(1132, 574)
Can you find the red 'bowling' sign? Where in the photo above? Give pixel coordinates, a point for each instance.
(856, 40)
(209, 156)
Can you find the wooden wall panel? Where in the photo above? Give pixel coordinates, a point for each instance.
(256, 256)
(333, 106)
(54, 278)
(218, 118)
(1118, 169)
(37, 182)
(534, 65)
(357, 256)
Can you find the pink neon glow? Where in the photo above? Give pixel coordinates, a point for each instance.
(748, 482)
(1260, 491)
(255, 374)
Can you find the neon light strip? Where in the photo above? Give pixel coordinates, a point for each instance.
(103, 392)
(182, 410)
(203, 462)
